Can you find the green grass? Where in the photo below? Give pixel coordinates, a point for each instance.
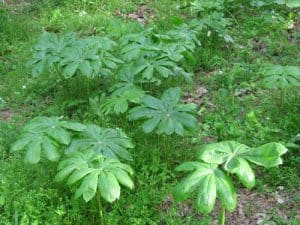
(29, 196)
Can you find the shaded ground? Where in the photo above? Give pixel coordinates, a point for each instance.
(6, 114)
(253, 208)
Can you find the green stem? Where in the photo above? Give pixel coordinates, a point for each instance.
(223, 216)
(232, 16)
(88, 88)
(100, 209)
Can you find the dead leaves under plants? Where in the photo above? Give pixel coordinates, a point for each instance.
(253, 208)
(143, 14)
(6, 114)
(195, 97)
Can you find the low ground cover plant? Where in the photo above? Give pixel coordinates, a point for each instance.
(88, 155)
(139, 87)
(211, 176)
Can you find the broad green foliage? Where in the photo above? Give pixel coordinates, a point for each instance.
(234, 156)
(185, 39)
(117, 28)
(157, 59)
(277, 76)
(44, 134)
(119, 100)
(211, 182)
(123, 92)
(207, 5)
(90, 171)
(121, 65)
(211, 18)
(90, 159)
(91, 57)
(48, 51)
(112, 143)
(293, 3)
(150, 56)
(68, 55)
(165, 115)
(288, 3)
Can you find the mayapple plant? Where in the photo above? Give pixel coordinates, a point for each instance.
(282, 77)
(95, 175)
(166, 115)
(124, 92)
(68, 55)
(45, 135)
(88, 154)
(111, 143)
(211, 176)
(212, 17)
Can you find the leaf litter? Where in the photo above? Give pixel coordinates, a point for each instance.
(143, 14)
(253, 208)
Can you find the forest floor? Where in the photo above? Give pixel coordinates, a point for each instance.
(232, 104)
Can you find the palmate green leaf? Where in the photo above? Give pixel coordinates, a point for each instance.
(149, 68)
(225, 190)
(89, 171)
(50, 149)
(45, 135)
(79, 59)
(33, 154)
(267, 155)
(70, 69)
(109, 187)
(132, 45)
(165, 115)
(207, 5)
(48, 50)
(220, 152)
(235, 157)
(293, 3)
(88, 186)
(277, 76)
(112, 143)
(209, 182)
(242, 169)
(185, 36)
(118, 102)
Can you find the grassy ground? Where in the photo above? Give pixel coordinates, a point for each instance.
(235, 107)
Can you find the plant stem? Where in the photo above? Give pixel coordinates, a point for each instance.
(100, 209)
(88, 88)
(223, 216)
(232, 16)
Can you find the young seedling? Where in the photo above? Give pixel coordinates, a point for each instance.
(211, 173)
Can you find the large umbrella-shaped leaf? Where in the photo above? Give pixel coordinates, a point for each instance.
(267, 155)
(165, 115)
(118, 101)
(112, 143)
(235, 157)
(277, 76)
(90, 171)
(48, 51)
(208, 182)
(45, 135)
